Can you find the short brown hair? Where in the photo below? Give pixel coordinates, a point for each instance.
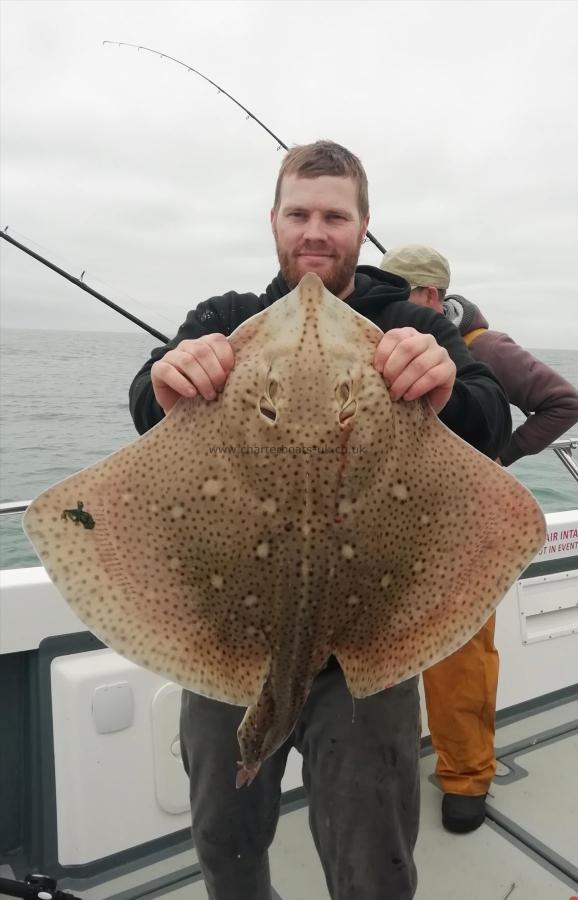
(324, 158)
(423, 287)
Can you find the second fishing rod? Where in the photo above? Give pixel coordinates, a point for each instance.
(221, 90)
(79, 283)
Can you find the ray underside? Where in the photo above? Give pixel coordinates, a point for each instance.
(208, 566)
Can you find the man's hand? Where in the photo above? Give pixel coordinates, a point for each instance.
(194, 367)
(414, 365)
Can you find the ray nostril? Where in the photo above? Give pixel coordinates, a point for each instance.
(344, 392)
(348, 411)
(267, 409)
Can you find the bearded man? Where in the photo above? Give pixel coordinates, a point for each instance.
(361, 777)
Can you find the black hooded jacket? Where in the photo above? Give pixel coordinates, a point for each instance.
(477, 410)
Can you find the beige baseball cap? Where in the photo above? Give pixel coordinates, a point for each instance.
(420, 265)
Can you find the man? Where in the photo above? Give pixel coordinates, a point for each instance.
(461, 690)
(361, 776)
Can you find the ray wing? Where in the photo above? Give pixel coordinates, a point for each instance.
(158, 578)
(454, 531)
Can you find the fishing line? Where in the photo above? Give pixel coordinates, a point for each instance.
(222, 90)
(85, 287)
(58, 259)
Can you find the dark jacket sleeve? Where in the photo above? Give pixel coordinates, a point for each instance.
(207, 318)
(549, 401)
(478, 410)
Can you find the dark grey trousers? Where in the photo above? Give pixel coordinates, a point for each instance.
(360, 771)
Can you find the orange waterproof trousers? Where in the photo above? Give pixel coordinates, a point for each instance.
(460, 693)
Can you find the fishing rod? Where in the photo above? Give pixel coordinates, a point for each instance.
(78, 281)
(34, 887)
(221, 90)
(85, 287)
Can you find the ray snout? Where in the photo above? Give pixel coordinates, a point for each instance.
(312, 282)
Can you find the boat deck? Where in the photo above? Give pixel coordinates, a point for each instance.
(526, 850)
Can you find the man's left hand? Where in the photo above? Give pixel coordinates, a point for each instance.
(414, 365)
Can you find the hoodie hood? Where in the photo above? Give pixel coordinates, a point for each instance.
(373, 290)
(463, 314)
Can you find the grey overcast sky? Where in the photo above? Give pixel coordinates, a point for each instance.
(126, 166)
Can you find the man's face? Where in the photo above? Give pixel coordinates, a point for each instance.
(318, 228)
(427, 296)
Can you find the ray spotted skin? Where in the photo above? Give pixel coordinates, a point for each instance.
(241, 542)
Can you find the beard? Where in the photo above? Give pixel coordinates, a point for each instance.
(336, 280)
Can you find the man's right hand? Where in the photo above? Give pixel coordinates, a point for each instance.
(194, 367)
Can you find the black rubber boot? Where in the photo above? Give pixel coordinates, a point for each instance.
(462, 813)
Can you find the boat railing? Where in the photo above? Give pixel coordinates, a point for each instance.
(14, 507)
(563, 448)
